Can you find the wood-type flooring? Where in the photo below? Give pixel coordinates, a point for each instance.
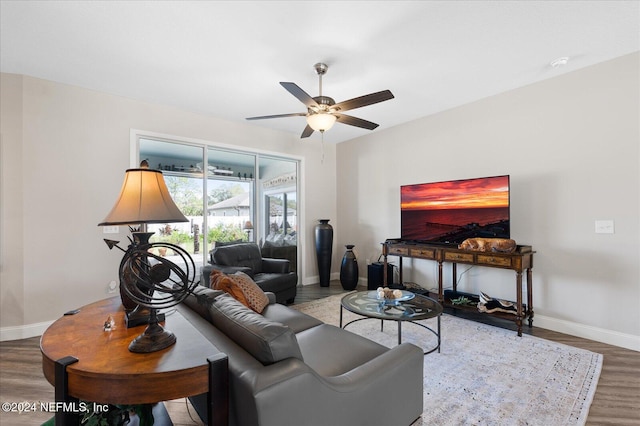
(616, 402)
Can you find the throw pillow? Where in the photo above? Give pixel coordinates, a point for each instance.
(254, 295)
(222, 281)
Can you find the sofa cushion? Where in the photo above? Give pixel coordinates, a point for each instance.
(265, 340)
(332, 351)
(295, 320)
(246, 254)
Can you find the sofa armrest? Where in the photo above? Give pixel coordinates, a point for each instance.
(385, 390)
(405, 360)
(271, 296)
(402, 361)
(233, 269)
(275, 266)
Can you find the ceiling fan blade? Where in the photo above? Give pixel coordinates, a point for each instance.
(300, 94)
(294, 114)
(359, 102)
(306, 132)
(355, 121)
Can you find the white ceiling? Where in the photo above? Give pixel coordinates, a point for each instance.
(226, 58)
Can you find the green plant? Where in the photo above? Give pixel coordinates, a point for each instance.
(462, 301)
(175, 237)
(118, 415)
(224, 233)
(178, 237)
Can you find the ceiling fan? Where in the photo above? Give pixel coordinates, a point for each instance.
(323, 111)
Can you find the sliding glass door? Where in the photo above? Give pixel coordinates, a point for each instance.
(279, 213)
(184, 179)
(228, 196)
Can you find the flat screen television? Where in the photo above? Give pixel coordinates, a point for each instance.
(450, 212)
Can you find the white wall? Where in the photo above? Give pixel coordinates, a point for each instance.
(571, 146)
(11, 201)
(64, 153)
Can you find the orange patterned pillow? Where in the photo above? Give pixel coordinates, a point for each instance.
(254, 295)
(221, 281)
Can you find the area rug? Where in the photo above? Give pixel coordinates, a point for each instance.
(486, 375)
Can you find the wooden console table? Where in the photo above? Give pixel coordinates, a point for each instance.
(520, 261)
(84, 362)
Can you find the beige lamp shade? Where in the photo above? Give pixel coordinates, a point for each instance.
(144, 198)
(321, 121)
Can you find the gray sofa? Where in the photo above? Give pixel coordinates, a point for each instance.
(287, 368)
(272, 275)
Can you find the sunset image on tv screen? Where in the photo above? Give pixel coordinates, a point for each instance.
(452, 210)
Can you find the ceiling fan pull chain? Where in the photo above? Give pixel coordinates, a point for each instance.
(322, 144)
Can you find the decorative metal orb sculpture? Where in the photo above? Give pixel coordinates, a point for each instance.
(155, 282)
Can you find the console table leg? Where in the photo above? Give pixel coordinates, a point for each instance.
(530, 296)
(439, 333)
(519, 302)
(454, 277)
(218, 395)
(64, 417)
(384, 271)
(440, 284)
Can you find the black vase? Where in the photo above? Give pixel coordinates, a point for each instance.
(349, 269)
(324, 245)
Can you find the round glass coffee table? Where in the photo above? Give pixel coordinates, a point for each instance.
(410, 307)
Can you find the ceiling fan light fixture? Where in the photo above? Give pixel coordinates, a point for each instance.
(323, 111)
(321, 121)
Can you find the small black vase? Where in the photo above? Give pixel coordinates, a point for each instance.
(324, 248)
(349, 269)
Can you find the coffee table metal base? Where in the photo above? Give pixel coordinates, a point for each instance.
(436, 333)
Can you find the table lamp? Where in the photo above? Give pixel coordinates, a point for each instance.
(248, 227)
(144, 198)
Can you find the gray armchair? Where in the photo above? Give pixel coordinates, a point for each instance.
(272, 275)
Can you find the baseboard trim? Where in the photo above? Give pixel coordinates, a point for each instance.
(315, 279)
(24, 331)
(623, 340)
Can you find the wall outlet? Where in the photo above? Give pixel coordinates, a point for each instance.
(110, 229)
(113, 286)
(604, 227)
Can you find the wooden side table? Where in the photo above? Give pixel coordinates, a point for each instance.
(85, 362)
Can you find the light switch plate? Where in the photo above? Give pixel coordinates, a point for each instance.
(604, 227)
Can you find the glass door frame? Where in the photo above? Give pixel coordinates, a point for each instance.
(134, 154)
